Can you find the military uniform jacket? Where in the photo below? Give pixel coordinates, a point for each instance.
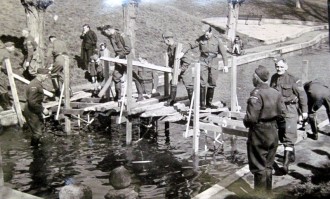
(264, 105)
(55, 49)
(187, 58)
(291, 89)
(30, 45)
(89, 40)
(34, 96)
(209, 50)
(120, 43)
(3, 77)
(316, 90)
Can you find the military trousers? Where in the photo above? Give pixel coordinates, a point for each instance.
(315, 104)
(209, 76)
(34, 122)
(261, 146)
(186, 77)
(288, 136)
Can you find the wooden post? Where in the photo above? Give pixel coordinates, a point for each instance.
(129, 98)
(232, 20)
(130, 13)
(67, 93)
(233, 96)
(166, 78)
(17, 105)
(176, 67)
(196, 109)
(304, 75)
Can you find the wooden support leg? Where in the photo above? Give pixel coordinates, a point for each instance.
(167, 131)
(128, 131)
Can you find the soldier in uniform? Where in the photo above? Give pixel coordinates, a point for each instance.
(5, 49)
(88, 45)
(264, 107)
(30, 46)
(56, 51)
(33, 109)
(121, 44)
(210, 47)
(295, 101)
(318, 94)
(186, 58)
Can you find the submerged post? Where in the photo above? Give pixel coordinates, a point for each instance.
(196, 109)
(66, 85)
(17, 105)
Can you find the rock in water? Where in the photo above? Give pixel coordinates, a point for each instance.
(75, 192)
(127, 193)
(120, 178)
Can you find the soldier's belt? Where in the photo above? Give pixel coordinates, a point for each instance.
(290, 102)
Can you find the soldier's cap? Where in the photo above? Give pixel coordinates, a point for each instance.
(168, 34)
(206, 28)
(262, 73)
(107, 27)
(9, 44)
(43, 71)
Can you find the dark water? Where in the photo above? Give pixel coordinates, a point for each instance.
(90, 154)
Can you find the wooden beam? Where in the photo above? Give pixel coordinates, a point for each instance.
(137, 63)
(103, 107)
(230, 114)
(105, 87)
(233, 95)
(17, 105)
(82, 104)
(67, 99)
(226, 130)
(196, 109)
(22, 79)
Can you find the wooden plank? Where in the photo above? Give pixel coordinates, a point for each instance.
(176, 66)
(227, 130)
(165, 111)
(82, 104)
(22, 79)
(90, 99)
(80, 95)
(196, 109)
(67, 98)
(166, 78)
(141, 109)
(137, 63)
(21, 119)
(103, 107)
(105, 87)
(238, 115)
(225, 121)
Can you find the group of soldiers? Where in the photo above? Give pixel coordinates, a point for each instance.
(272, 113)
(272, 110)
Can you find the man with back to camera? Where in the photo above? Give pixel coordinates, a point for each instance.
(264, 107)
(186, 58)
(295, 100)
(121, 44)
(318, 94)
(210, 47)
(88, 45)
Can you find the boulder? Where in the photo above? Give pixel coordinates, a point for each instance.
(73, 191)
(120, 178)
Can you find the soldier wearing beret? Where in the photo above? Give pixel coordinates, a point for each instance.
(295, 101)
(186, 58)
(56, 51)
(264, 107)
(318, 94)
(33, 110)
(121, 44)
(88, 45)
(5, 49)
(210, 47)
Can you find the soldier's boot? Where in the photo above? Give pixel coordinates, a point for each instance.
(118, 91)
(5, 101)
(56, 87)
(292, 155)
(286, 161)
(190, 92)
(139, 89)
(269, 181)
(202, 99)
(209, 98)
(313, 123)
(171, 100)
(260, 180)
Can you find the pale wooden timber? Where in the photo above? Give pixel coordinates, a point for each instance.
(173, 118)
(243, 132)
(233, 95)
(59, 103)
(176, 66)
(237, 115)
(166, 77)
(82, 104)
(22, 79)
(137, 63)
(66, 69)
(103, 107)
(79, 95)
(196, 128)
(8, 119)
(225, 121)
(165, 111)
(17, 105)
(141, 109)
(105, 87)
